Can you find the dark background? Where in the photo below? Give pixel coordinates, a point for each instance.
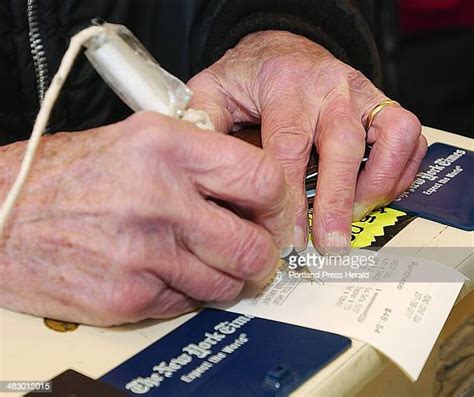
(428, 58)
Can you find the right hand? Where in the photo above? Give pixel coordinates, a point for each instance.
(126, 222)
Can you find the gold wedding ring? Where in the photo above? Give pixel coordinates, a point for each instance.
(377, 109)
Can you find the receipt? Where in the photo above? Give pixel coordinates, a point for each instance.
(396, 304)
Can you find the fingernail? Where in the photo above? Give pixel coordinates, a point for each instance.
(300, 238)
(336, 243)
(285, 251)
(358, 212)
(287, 247)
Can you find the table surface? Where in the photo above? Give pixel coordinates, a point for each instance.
(31, 351)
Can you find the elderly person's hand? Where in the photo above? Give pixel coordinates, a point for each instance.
(140, 219)
(304, 96)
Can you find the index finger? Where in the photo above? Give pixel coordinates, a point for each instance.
(341, 144)
(226, 168)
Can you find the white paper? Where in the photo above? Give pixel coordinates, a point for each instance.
(400, 308)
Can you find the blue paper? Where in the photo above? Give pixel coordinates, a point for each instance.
(443, 189)
(242, 356)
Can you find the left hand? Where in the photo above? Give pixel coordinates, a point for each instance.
(304, 96)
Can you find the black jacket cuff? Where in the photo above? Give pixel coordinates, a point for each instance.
(334, 24)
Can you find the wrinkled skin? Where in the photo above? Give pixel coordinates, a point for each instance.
(119, 224)
(303, 96)
(150, 216)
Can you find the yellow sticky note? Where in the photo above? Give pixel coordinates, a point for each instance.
(365, 231)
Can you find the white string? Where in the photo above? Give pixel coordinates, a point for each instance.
(197, 117)
(43, 117)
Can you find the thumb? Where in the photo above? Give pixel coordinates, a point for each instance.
(289, 139)
(209, 97)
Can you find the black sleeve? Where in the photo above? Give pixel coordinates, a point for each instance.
(335, 24)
